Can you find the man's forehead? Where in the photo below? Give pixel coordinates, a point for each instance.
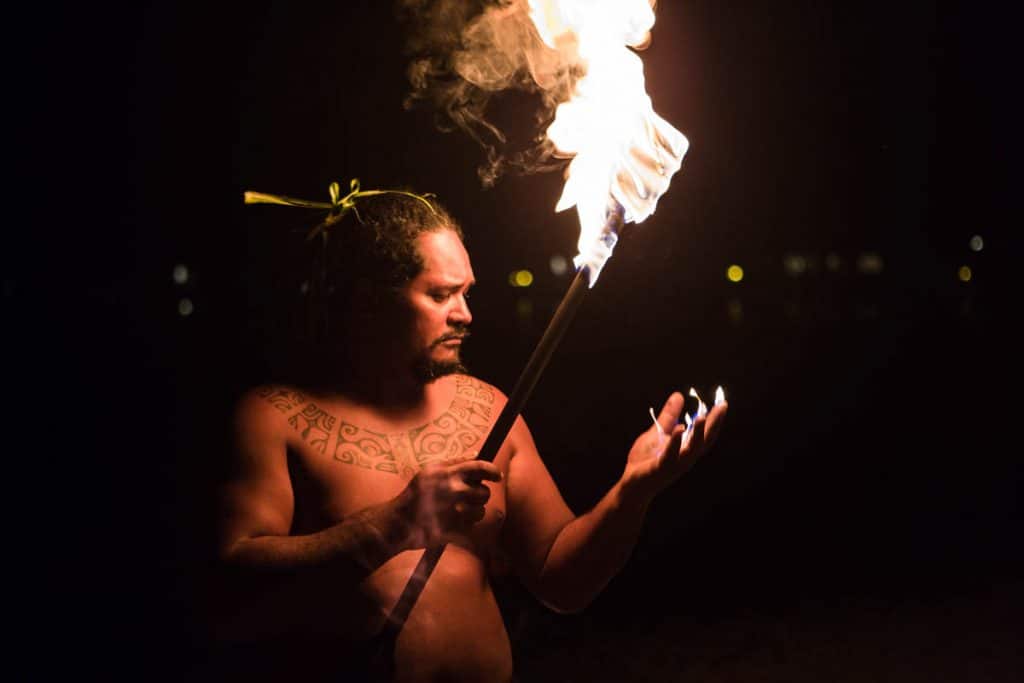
(445, 258)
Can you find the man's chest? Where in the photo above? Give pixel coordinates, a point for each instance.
(341, 462)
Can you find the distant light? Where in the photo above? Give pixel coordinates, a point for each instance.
(870, 263)
(559, 265)
(734, 273)
(520, 278)
(964, 274)
(833, 262)
(180, 274)
(976, 243)
(795, 264)
(185, 307)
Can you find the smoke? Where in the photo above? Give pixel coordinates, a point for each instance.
(464, 52)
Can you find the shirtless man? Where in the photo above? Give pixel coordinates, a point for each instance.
(337, 491)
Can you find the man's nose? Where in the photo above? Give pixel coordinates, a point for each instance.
(460, 313)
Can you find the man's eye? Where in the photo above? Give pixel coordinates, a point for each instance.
(439, 297)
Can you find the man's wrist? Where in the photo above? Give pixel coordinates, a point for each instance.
(632, 495)
(380, 531)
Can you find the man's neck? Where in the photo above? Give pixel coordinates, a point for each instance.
(386, 393)
(386, 384)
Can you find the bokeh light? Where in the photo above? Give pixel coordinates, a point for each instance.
(520, 278)
(870, 263)
(795, 264)
(734, 273)
(559, 265)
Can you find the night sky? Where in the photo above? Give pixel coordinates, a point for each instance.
(844, 154)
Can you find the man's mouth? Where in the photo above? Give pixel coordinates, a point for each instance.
(451, 339)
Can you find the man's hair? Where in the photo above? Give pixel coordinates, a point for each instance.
(375, 245)
(378, 243)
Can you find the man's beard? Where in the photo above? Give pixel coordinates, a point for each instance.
(428, 369)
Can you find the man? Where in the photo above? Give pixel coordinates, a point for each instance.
(337, 491)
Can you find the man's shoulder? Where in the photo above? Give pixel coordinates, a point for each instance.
(268, 404)
(467, 386)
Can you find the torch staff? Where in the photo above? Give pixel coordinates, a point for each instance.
(524, 386)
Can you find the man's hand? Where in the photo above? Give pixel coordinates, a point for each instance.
(660, 456)
(442, 501)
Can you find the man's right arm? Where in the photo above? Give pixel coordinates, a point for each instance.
(273, 581)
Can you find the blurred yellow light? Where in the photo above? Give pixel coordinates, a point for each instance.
(734, 273)
(185, 307)
(964, 274)
(524, 278)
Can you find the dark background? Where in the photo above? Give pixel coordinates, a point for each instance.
(860, 516)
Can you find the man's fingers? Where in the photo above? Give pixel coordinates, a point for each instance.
(674, 443)
(467, 512)
(695, 443)
(714, 423)
(669, 415)
(474, 471)
(476, 495)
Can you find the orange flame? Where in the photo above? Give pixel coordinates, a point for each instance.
(621, 149)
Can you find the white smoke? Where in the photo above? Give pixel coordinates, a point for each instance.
(466, 51)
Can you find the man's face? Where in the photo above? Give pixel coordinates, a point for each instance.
(436, 301)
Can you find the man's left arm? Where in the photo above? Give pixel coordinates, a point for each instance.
(567, 560)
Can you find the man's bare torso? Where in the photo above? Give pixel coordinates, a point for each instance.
(344, 457)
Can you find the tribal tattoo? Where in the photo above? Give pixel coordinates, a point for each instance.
(282, 399)
(450, 438)
(314, 425)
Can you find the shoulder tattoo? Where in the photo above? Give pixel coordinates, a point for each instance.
(282, 399)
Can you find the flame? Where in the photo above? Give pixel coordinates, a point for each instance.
(719, 396)
(702, 409)
(621, 150)
(654, 418)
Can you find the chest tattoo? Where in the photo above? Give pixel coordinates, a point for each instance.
(451, 437)
(315, 426)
